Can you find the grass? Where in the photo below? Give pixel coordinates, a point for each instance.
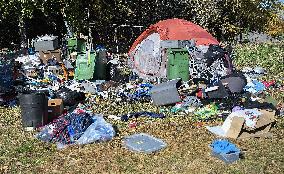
(186, 152)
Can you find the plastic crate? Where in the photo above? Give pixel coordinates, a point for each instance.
(45, 45)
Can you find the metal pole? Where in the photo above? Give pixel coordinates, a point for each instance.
(90, 40)
(89, 22)
(116, 39)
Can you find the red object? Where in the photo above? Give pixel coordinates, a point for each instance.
(65, 111)
(199, 124)
(199, 94)
(177, 29)
(132, 125)
(268, 84)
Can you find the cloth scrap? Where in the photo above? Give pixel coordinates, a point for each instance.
(143, 113)
(224, 147)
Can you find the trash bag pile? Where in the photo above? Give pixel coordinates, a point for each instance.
(70, 116)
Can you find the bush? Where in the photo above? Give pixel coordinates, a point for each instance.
(267, 55)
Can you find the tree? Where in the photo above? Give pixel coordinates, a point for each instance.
(275, 25)
(223, 18)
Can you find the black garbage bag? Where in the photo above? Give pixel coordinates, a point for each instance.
(213, 53)
(69, 97)
(235, 82)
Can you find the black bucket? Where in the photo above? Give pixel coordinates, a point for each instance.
(33, 109)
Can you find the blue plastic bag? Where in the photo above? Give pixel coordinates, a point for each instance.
(67, 129)
(98, 131)
(254, 87)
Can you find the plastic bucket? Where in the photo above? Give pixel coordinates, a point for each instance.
(33, 109)
(101, 66)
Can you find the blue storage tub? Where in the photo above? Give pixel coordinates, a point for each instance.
(143, 143)
(225, 151)
(227, 158)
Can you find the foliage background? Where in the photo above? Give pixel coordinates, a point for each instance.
(25, 19)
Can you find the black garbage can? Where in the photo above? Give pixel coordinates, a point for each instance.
(33, 109)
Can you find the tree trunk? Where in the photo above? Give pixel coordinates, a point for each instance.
(23, 34)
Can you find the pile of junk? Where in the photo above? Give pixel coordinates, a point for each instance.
(174, 65)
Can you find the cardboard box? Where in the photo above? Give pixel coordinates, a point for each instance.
(263, 125)
(46, 55)
(55, 109)
(237, 129)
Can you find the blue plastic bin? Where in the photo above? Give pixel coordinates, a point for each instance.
(225, 150)
(227, 158)
(143, 143)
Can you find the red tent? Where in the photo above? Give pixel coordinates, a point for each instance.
(177, 29)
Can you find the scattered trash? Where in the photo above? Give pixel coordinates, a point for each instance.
(206, 113)
(187, 105)
(143, 143)
(269, 84)
(69, 97)
(133, 124)
(191, 101)
(237, 108)
(281, 112)
(51, 57)
(136, 115)
(218, 92)
(254, 73)
(59, 87)
(271, 100)
(225, 151)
